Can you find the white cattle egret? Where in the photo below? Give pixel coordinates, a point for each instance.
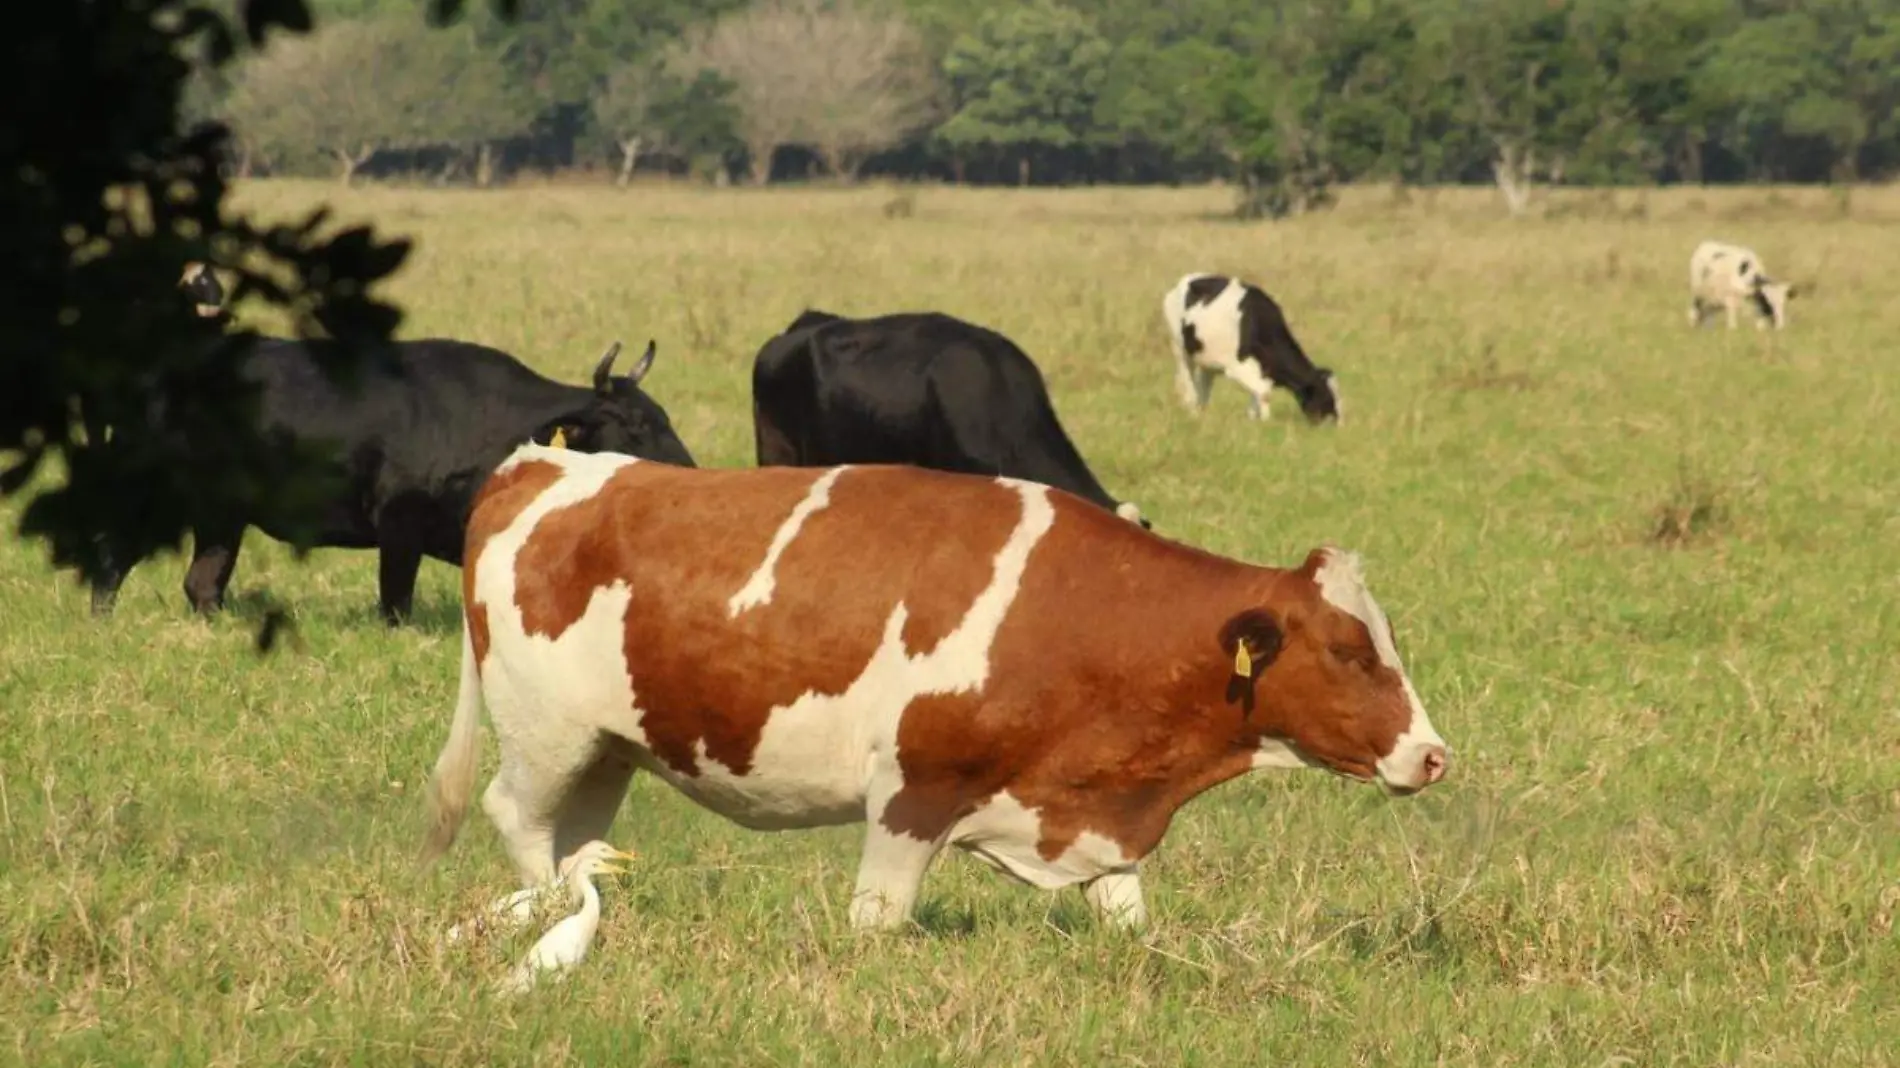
(510, 911)
(566, 943)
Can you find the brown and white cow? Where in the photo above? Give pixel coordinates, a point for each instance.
(951, 659)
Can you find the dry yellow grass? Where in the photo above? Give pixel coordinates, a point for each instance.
(1672, 833)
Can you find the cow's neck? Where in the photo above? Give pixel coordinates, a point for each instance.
(1213, 739)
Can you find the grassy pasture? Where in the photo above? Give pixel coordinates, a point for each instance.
(1647, 579)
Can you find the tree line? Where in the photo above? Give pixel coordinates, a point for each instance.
(1284, 98)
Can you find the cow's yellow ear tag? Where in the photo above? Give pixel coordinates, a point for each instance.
(1243, 660)
(559, 440)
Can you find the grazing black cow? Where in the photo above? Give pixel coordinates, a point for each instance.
(917, 388)
(432, 419)
(1221, 325)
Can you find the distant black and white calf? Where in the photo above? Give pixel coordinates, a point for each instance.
(1724, 276)
(1221, 325)
(917, 388)
(432, 419)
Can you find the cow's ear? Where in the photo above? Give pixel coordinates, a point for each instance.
(558, 435)
(1249, 641)
(1252, 639)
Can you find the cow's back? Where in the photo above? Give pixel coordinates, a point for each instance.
(923, 389)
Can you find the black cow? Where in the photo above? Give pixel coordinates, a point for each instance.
(431, 420)
(917, 388)
(1220, 325)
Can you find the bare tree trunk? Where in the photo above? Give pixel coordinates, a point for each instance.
(760, 162)
(956, 168)
(836, 163)
(1022, 169)
(351, 161)
(1692, 158)
(629, 152)
(484, 164)
(1512, 168)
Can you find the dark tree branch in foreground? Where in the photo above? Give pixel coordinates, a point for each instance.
(104, 198)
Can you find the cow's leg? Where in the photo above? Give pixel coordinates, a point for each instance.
(521, 803)
(549, 787)
(396, 570)
(592, 801)
(1193, 384)
(1247, 375)
(890, 873)
(1696, 314)
(214, 553)
(772, 447)
(891, 869)
(1116, 898)
(1733, 307)
(105, 588)
(398, 559)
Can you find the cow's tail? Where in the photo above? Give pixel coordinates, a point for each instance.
(452, 782)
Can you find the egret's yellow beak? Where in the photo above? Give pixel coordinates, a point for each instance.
(609, 868)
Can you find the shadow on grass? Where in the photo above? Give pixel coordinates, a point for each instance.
(263, 611)
(1402, 933)
(934, 920)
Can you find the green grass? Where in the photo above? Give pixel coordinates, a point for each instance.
(1645, 578)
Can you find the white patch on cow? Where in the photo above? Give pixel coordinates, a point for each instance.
(1004, 833)
(1342, 584)
(1278, 755)
(548, 699)
(810, 767)
(1216, 323)
(757, 590)
(564, 671)
(1116, 897)
(1128, 511)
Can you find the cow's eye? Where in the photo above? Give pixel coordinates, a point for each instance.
(1355, 656)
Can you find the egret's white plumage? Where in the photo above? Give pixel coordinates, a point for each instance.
(506, 912)
(567, 942)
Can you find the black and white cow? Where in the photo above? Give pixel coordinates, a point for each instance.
(430, 421)
(918, 388)
(1221, 325)
(1724, 276)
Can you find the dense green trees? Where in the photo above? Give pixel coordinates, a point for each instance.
(1282, 97)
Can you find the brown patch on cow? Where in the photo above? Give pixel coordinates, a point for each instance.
(1105, 719)
(953, 586)
(497, 504)
(1105, 710)
(703, 677)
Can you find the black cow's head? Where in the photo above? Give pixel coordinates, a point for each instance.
(203, 288)
(1319, 396)
(621, 418)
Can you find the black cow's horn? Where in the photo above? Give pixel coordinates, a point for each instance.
(646, 364)
(603, 371)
